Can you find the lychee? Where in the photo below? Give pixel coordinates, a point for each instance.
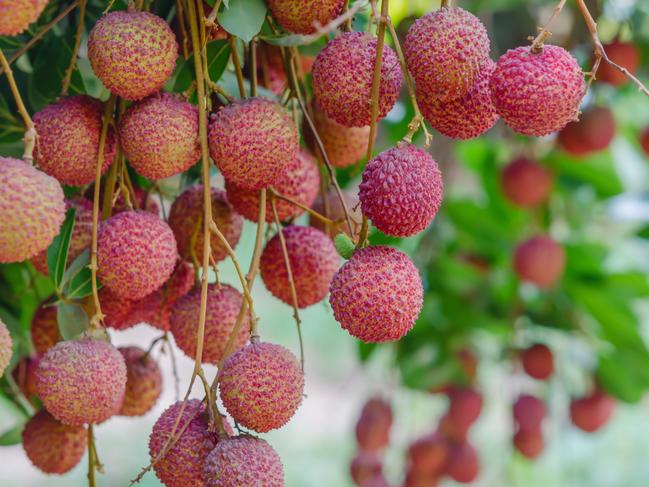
(31, 210)
(538, 361)
(253, 142)
(271, 71)
(182, 465)
(373, 426)
(592, 133)
(540, 260)
(186, 221)
(243, 461)
(81, 381)
(364, 467)
(68, 139)
(143, 382)
(529, 442)
(537, 93)
(526, 183)
(24, 373)
(223, 305)
(313, 260)
(377, 295)
(334, 211)
(625, 54)
(261, 386)
(6, 345)
(136, 253)
(132, 53)
(444, 50)
(590, 413)
(302, 17)
(342, 79)
(159, 135)
(16, 15)
(415, 479)
(300, 182)
(116, 309)
(644, 140)
(464, 408)
(529, 412)
(45, 329)
(53, 447)
(428, 454)
(463, 463)
(401, 190)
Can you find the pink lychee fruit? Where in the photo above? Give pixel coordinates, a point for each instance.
(526, 183)
(24, 373)
(592, 133)
(364, 467)
(428, 454)
(464, 408)
(116, 309)
(529, 412)
(16, 15)
(334, 211)
(463, 463)
(538, 361)
(415, 479)
(540, 260)
(529, 442)
(374, 424)
(45, 329)
(591, 412)
(625, 54)
(303, 17)
(6, 347)
(143, 382)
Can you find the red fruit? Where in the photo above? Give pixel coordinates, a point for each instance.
(428, 455)
(529, 412)
(592, 133)
(302, 17)
(334, 211)
(116, 310)
(143, 382)
(526, 183)
(414, 479)
(644, 140)
(465, 406)
(45, 329)
(624, 54)
(540, 260)
(373, 426)
(18, 14)
(364, 467)
(24, 374)
(590, 413)
(538, 361)
(529, 442)
(463, 463)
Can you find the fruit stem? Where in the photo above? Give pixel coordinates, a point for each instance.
(376, 77)
(310, 211)
(180, 15)
(111, 177)
(75, 49)
(253, 67)
(212, 17)
(362, 235)
(237, 64)
(544, 32)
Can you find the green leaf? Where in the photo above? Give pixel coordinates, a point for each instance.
(13, 436)
(365, 350)
(243, 18)
(72, 320)
(78, 278)
(618, 379)
(344, 245)
(57, 252)
(597, 170)
(218, 54)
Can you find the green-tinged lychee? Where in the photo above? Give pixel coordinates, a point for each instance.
(45, 328)
(6, 345)
(16, 15)
(540, 260)
(526, 183)
(143, 382)
(303, 17)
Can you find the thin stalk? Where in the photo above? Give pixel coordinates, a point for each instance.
(237, 65)
(75, 49)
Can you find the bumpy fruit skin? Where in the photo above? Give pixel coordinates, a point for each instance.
(463, 463)
(159, 135)
(223, 305)
(253, 142)
(270, 67)
(243, 461)
(300, 182)
(537, 93)
(186, 216)
(428, 454)
(182, 466)
(132, 53)
(82, 381)
(143, 382)
(592, 133)
(401, 190)
(538, 361)
(53, 447)
(342, 79)
(31, 210)
(116, 309)
(529, 412)
(591, 412)
(334, 211)
(262, 386)
(364, 467)
(313, 259)
(466, 117)
(373, 426)
(526, 183)
(45, 329)
(136, 253)
(301, 17)
(530, 443)
(68, 139)
(444, 50)
(24, 374)
(377, 295)
(644, 140)
(623, 53)
(16, 15)
(540, 260)
(6, 345)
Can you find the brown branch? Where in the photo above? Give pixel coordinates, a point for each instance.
(310, 211)
(75, 49)
(237, 65)
(376, 76)
(544, 32)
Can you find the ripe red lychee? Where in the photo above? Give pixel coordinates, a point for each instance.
(82, 381)
(45, 329)
(401, 190)
(624, 54)
(261, 386)
(538, 361)
(31, 210)
(529, 412)
(377, 295)
(342, 79)
(143, 382)
(136, 253)
(68, 139)
(243, 461)
(415, 479)
(183, 464)
(529, 442)
(428, 454)
(463, 463)
(132, 53)
(300, 182)
(373, 426)
(592, 133)
(313, 260)
(116, 309)
(302, 17)
(364, 467)
(186, 221)
(466, 117)
(16, 15)
(223, 305)
(540, 260)
(537, 93)
(270, 67)
(464, 408)
(526, 183)
(53, 447)
(590, 413)
(253, 142)
(24, 373)
(6, 345)
(444, 50)
(334, 211)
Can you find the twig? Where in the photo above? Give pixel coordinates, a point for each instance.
(212, 17)
(237, 64)
(310, 211)
(253, 68)
(376, 76)
(75, 49)
(544, 32)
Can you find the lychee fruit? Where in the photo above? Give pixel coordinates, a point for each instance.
(300, 182)
(24, 373)
(529, 442)
(444, 50)
(182, 465)
(186, 221)
(31, 210)
(253, 142)
(302, 17)
(377, 295)
(271, 72)
(590, 413)
(464, 408)
(82, 381)
(243, 461)
(624, 54)
(334, 211)
(136, 253)
(45, 329)
(313, 260)
(132, 53)
(540, 260)
(342, 79)
(415, 479)
(143, 382)
(223, 306)
(16, 15)
(373, 426)
(529, 412)
(364, 467)
(261, 386)
(537, 93)
(526, 183)
(592, 133)
(6, 345)
(159, 135)
(401, 190)
(428, 454)
(116, 309)
(466, 117)
(68, 139)
(538, 361)
(644, 140)
(463, 463)
(53, 447)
